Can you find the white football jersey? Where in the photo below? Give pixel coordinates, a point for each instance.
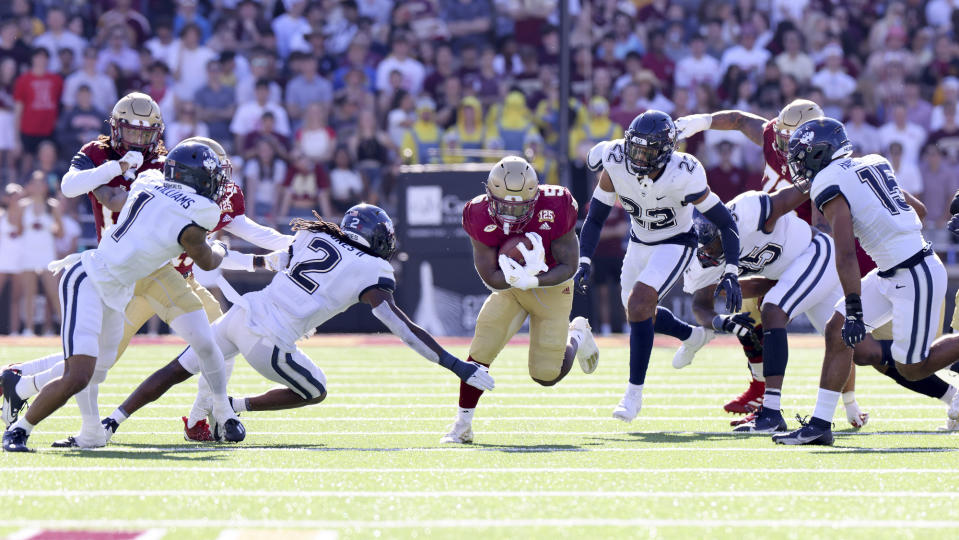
(147, 234)
(659, 209)
(760, 254)
(888, 228)
(324, 278)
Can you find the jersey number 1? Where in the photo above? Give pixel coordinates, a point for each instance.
(883, 183)
(135, 208)
(330, 258)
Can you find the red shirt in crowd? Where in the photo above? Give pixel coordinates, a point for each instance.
(40, 96)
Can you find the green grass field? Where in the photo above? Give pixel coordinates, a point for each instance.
(547, 462)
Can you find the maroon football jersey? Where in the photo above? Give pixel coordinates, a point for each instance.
(96, 153)
(232, 204)
(553, 216)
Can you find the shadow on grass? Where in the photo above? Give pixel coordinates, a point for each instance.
(175, 452)
(677, 437)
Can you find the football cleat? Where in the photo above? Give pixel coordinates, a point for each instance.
(230, 431)
(767, 421)
(588, 352)
(811, 432)
(953, 412)
(751, 417)
(629, 406)
(86, 441)
(952, 424)
(855, 416)
(749, 401)
(459, 434)
(697, 340)
(15, 440)
(69, 442)
(12, 403)
(200, 432)
(110, 426)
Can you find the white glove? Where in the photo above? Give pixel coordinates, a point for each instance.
(132, 158)
(276, 261)
(687, 126)
(535, 258)
(516, 274)
(481, 379)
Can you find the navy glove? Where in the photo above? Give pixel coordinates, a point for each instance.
(954, 205)
(734, 295)
(581, 279)
(953, 225)
(740, 324)
(854, 329)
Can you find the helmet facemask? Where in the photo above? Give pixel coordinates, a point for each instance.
(643, 156)
(511, 212)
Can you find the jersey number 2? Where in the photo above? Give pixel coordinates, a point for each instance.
(135, 208)
(882, 182)
(330, 257)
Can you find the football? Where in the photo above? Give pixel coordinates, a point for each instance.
(510, 249)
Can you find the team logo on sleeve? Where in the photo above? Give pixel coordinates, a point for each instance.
(546, 215)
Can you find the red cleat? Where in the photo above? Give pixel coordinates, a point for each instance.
(748, 401)
(744, 420)
(200, 432)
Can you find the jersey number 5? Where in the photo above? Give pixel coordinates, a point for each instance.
(330, 257)
(882, 182)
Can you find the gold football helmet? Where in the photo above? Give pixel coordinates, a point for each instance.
(512, 189)
(136, 124)
(791, 117)
(219, 151)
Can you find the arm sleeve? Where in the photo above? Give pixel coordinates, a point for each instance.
(720, 216)
(388, 317)
(235, 260)
(84, 177)
(258, 235)
(599, 209)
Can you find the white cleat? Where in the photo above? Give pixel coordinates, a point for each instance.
(697, 340)
(629, 406)
(952, 415)
(588, 351)
(855, 416)
(459, 434)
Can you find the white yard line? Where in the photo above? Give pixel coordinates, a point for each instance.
(326, 405)
(526, 432)
(254, 418)
(467, 524)
(866, 396)
(484, 470)
(507, 448)
(346, 494)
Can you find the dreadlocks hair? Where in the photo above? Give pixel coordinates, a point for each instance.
(319, 225)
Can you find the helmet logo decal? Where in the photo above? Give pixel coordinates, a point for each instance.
(209, 164)
(807, 137)
(489, 228)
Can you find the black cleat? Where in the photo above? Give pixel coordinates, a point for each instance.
(15, 440)
(110, 426)
(69, 442)
(233, 431)
(12, 404)
(767, 421)
(816, 432)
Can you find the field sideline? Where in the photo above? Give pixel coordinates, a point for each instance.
(548, 462)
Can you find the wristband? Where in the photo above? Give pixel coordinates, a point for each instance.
(853, 306)
(259, 261)
(462, 369)
(585, 260)
(731, 269)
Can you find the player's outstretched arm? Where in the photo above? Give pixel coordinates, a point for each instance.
(112, 198)
(486, 261)
(604, 197)
(418, 339)
(744, 122)
(205, 256)
(784, 201)
(258, 235)
(565, 250)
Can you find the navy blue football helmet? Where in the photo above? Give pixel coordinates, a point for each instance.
(709, 252)
(195, 165)
(812, 147)
(371, 227)
(649, 142)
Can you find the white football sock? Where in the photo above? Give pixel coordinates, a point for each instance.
(22, 423)
(31, 385)
(636, 389)
(40, 364)
(772, 399)
(950, 393)
(826, 403)
(849, 399)
(756, 368)
(194, 327)
(464, 416)
(119, 415)
(89, 410)
(241, 404)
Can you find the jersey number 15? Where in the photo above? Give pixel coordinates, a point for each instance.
(882, 182)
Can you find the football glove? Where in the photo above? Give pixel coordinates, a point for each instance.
(534, 258)
(740, 324)
(277, 261)
(953, 225)
(853, 329)
(471, 373)
(954, 205)
(687, 126)
(734, 295)
(516, 274)
(581, 279)
(133, 159)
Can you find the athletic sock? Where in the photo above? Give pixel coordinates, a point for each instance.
(40, 364)
(931, 386)
(949, 395)
(464, 415)
(775, 352)
(640, 347)
(849, 398)
(667, 323)
(119, 415)
(29, 386)
(772, 399)
(22, 423)
(469, 395)
(826, 403)
(240, 404)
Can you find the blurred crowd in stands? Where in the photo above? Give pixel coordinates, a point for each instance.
(320, 101)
